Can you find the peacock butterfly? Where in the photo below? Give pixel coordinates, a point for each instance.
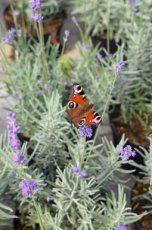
(80, 110)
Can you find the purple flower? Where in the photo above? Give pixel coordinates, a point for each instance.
(9, 36)
(17, 96)
(132, 1)
(49, 199)
(74, 20)
(119, 66)
(28, 187)
(150, 56)
(136, 9)
(66, 33)
(85, 130)
(35, 4)
(46, 86)
(13, 129)
(14, 143)
(122, 227)
(150, 42)
(83, 173)
(99, 56)
(75, 169)
(19, 158)
(84, 47)
(15, 13)
(126, 152)
(37, 17)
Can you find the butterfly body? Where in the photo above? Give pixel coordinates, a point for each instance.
(80, 110)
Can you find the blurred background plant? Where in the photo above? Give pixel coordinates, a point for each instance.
(112, 19)
(132, 92)
(49, 9)
(5, 214)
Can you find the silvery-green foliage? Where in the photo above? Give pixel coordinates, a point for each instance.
(77, 199)
(10, 177)
(49, 8)
(55, 147)
(52, 7)
(5, 213)
(50, 130)
(96, 75)
(146, 178)
(116, 16)
(34, 75)
(133, 89)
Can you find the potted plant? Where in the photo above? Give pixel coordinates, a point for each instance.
(109, 22)
(141, 193)
(132, 113)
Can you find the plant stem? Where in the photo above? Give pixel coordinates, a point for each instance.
(44, 59)
(105, 107)
(108, 41)
(38, 213)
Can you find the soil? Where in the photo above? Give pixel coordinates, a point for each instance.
(146, 221)
(134, 130)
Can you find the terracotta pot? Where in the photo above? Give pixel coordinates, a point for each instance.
(51, 28)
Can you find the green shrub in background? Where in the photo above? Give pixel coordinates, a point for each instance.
(49, 8)
(132, 91)
(112, 18)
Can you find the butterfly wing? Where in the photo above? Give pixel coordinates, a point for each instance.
(79, 108)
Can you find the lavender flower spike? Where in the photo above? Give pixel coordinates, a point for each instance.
(13, 130)
(15, 13)
(85, 130)
(122, 227)
(150, 56)
(35, 4)
(66, 33)
(126, 152)
(119, 66)
(37, 17)
(99, 56)
(19, 158)
(9, 36)
(28, 187)
(75, 169)
(74, 20)
(49, 199)
(83, 173)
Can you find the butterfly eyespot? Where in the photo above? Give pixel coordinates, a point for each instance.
(72, 105)
(81, 123)
(97, 119)
(77, 88)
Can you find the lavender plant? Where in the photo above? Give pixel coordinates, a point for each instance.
(73, 197)
(145, 180)
(133, 90)
(97, 74)
(48, 8)
(115, 17)
(5, 214)
(57, 179)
